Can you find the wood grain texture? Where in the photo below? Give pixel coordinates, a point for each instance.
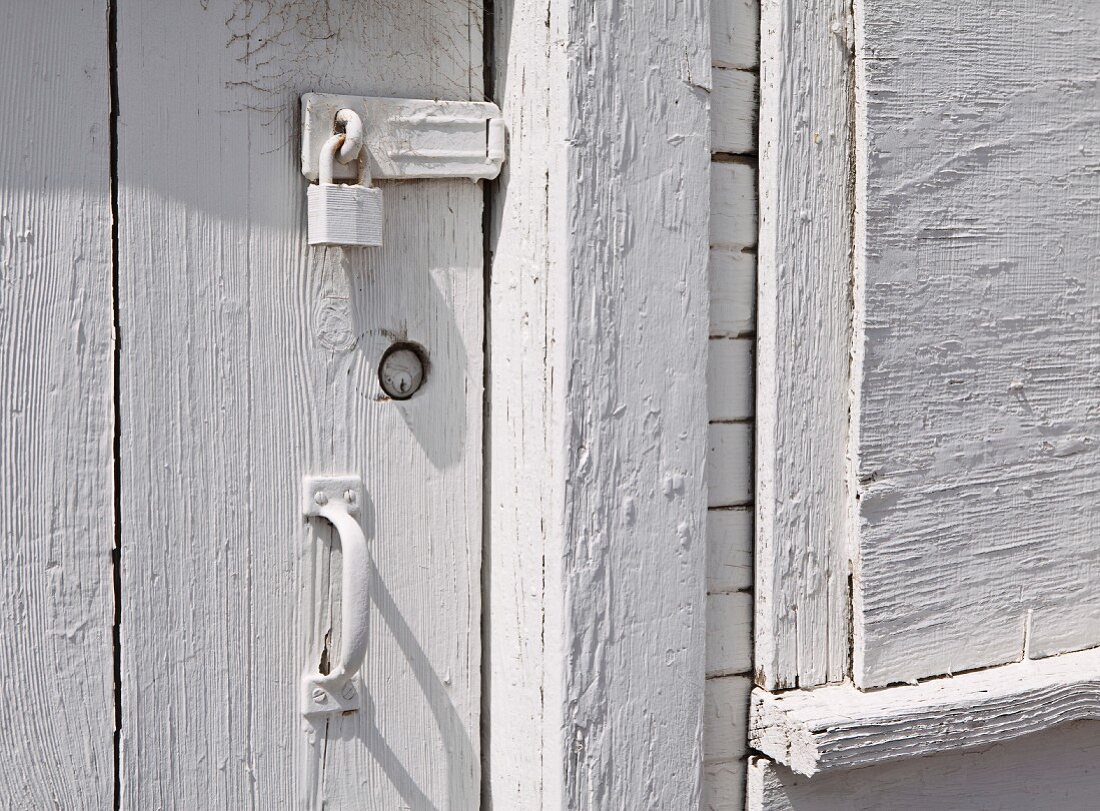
(634, 412)
(733, 206)
(525, 494)
(730, 396)
(733, 111)
(729, 464)
(599, 328)
(729, 634)
(729, 379)
(977, 352)
(732, 292)
(735, 33)
(724, 742)
(1054, 771)
(803, 334)
(724, 785)
(729, 550)
(56, 414)
(725, 723)
(249, 360)
(841, 727)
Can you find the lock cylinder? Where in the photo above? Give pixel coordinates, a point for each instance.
(349, 215)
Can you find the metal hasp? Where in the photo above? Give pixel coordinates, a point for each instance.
(407, 139)
(336, 499)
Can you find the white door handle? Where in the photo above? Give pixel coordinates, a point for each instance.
(336, 499)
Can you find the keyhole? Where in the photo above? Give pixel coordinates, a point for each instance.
(402, 370)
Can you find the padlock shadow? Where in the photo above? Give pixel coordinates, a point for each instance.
(424, 286)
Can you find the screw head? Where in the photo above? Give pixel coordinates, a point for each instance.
(348, 691)
(320, 499)
(349, 496)
(320, 696)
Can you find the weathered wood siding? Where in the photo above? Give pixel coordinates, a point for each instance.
(977, 352)
(597, 446)
(802, 606)
(731, 400)
(56, 414)
(525, 491)
(1055, 771)
(249, 360)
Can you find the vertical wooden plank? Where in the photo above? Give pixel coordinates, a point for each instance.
(803, 334)
(977, 353)
(634, 417)
(56, 413)
(525, 494)
(602, 273)
(250, 360)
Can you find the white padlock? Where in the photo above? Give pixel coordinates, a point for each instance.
(344, 214)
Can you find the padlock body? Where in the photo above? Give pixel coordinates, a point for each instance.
(344, 215)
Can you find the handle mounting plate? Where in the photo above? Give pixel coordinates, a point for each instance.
(320, 491)
(320, 697)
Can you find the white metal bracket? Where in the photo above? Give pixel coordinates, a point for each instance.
(409, 138)
(336, 499)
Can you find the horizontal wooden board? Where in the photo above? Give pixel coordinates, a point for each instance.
(729, 550)
(1057, 770)
(977, 347)
(733, 111)
(735, 33)
(724, 785)
(732, 292)
(841, 727)
(729, 634)
(726, 718)
(732, 205)
(729, 464)
(729, 379)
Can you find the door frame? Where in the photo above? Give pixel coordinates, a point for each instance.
(597, 428)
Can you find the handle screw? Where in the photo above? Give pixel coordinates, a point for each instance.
(320, 499)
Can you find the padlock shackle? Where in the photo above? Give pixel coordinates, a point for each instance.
(328, 159)
(353, 135)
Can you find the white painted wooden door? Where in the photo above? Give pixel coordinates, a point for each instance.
(243, 361)
(56, 407)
